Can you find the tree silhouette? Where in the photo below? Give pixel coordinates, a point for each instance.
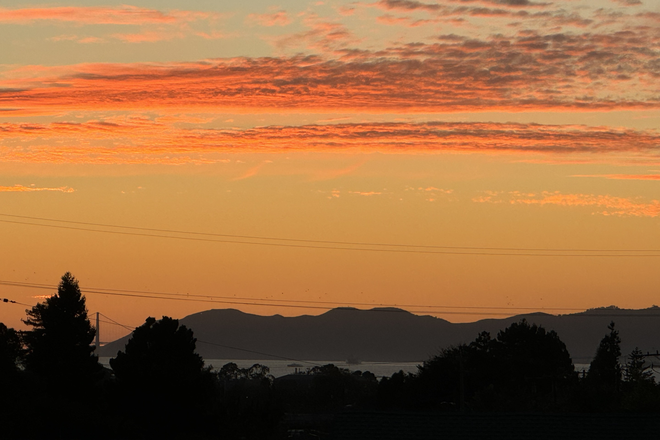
(605, 370)
(161, 380)
(524, 368)
(603, 381)
(247, 400)
(10, 352)
(636, 371)
(640, 393)
(159, 355)
(534, 366)
(58, 348)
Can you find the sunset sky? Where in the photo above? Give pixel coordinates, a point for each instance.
(507, 151)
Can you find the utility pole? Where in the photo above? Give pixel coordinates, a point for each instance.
(98, 331)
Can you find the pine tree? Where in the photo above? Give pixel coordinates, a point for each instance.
(58, 348)
(605, 370)
(636, 372)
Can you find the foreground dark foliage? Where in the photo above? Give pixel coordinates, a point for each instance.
(52, 386)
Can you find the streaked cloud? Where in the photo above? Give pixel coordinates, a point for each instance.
(279, 18)
(126, 15)
(366, 193)
(86, 15)
(623, 176)
(152, 25)
(526, 72)
(323, 37)
(147, 36)
(134, 139)
(21, 188)
(607, 205)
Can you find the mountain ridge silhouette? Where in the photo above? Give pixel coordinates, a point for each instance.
(394, 335)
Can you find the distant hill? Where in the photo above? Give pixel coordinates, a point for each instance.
(391, 335)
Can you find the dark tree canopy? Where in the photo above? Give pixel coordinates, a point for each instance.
(58, 348)
(524, 368)
(231, 371)
(160, 355)
(531, 353)
(161, 380)
(10, 352)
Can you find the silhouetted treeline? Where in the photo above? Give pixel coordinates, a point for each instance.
(52, 386)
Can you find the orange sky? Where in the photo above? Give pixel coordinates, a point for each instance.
(476, 127)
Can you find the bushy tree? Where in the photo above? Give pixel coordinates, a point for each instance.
(159, 358)
(524, 368)
(247, 399)
(533, 366)
(58, 348)
(162, 386)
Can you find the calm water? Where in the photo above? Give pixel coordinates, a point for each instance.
(281, 368)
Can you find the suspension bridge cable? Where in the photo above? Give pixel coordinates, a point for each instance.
(343, 248)
(117, 323)
(298, 240)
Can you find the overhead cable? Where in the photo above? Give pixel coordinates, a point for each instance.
(340, 245)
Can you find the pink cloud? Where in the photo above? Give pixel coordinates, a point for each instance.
(366, 193)
(126, 15)
(279, 18)
(326, 37)
(139, 139)
(527, 72)
(623, 176)
(147, 36)
(21, 188)
(87, 15)
(610, 205)
(215, 35)
(404, 21)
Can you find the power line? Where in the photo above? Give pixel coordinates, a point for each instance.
(507, 253)
(298, 240)
(335, 303)
(250, 301)
(478, 310)
(11, 301)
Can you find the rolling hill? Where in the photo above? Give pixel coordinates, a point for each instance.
(394, 335)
